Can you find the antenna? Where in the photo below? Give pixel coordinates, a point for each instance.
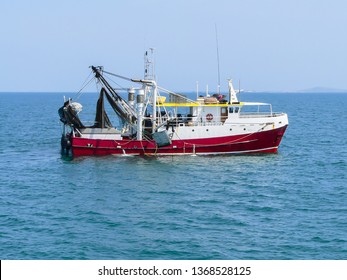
(215, 25)
(149, 65)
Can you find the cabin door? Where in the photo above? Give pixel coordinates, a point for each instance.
(223, 114)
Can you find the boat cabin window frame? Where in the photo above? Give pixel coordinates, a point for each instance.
(256, 109)
(234, 109)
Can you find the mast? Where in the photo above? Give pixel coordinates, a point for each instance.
(218, 89)
(149, 65)
(140, 103)
(150, 77)
(154, 97)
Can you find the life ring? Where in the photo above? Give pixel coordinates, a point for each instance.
(209, 117)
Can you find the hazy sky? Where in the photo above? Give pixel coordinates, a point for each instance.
(267, 44)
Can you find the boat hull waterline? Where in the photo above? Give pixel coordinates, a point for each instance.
(258, 142)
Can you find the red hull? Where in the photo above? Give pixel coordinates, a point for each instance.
(260, 142)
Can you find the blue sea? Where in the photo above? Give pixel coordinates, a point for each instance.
(289, 205)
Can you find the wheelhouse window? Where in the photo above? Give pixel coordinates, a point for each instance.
(256, 109)
(233, 110)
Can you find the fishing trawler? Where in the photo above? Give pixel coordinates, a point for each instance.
(155, 121)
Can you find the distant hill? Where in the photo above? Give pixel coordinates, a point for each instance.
(323, 90)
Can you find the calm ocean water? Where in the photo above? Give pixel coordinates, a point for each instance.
(290, 205)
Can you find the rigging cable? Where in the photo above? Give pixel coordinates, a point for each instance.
(84, 85)
(119, 76)
(115, 82)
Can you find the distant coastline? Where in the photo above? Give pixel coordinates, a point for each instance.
(324, 90)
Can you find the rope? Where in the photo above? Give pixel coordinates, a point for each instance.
(118, 76)
(221, 144)
(85, 83)
(193, 144)
(115, 82)
(186, 143)
(177, 95)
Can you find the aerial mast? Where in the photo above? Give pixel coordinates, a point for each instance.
(151, 83)
(218, 89)
(149, 65)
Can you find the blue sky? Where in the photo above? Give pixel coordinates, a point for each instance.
(267, 44)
